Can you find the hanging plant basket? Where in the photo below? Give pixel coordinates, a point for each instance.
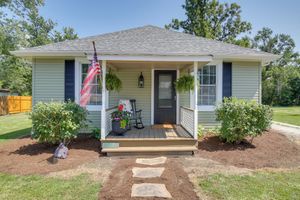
(185, 83)
(113, 83)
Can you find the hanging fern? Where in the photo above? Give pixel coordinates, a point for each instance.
(113, 83)
(185, 83)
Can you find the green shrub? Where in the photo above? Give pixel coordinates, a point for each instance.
(240, 118)
(56, 122)
(200, 131)
(96, 133)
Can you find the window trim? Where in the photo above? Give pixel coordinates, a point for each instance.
(219, 87)
(208, 85)
(78, 81)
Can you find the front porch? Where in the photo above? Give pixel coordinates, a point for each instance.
(170, 118)
(155, 139)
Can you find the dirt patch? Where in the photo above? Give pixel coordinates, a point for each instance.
(120, 181)
(98, 170)
(269, 150)
(25, 156)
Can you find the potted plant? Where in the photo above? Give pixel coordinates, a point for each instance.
(185, 83)
(113, 83)
(120, 120)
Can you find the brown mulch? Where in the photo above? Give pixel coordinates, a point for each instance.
(268, 150)
(120, 181)
(25, 156)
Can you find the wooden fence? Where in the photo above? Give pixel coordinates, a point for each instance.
(15, 104)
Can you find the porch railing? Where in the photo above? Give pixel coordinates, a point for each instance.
(108, 119)
(187, 119)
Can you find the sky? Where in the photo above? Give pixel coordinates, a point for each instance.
(93, 17)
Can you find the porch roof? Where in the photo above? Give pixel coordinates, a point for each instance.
(146, 41)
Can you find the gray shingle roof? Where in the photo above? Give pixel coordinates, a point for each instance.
(147, 40)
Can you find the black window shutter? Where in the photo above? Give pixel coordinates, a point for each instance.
(69, 80)
(227, 79)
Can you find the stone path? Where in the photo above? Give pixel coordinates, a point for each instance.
(149, 189)
(148, 178)
(148, 172)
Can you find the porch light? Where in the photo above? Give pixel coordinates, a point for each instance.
(141, 81)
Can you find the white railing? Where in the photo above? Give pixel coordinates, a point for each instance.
(108, 119)
(187, 119)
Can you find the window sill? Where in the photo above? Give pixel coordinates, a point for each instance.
(206, 108)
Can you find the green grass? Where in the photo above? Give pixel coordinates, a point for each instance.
(40, 187)
(289, 115)
(261, 185)
(14, 126)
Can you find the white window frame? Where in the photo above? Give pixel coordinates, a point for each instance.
(78, 81)
(219, 87)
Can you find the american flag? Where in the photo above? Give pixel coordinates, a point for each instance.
(93, 70)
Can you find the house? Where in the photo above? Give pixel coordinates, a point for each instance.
(161, 55)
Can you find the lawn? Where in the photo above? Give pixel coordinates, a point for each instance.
(290, 115)
(260, 185)
(40, 187)
(14, 126)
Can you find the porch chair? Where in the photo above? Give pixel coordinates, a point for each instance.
(136, 115)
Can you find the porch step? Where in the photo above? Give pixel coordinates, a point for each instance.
(152, 143)
(150, 149)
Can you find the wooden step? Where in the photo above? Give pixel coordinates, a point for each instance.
(150, 149)
(107, 143)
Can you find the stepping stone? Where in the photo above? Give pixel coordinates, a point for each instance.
(150, 190)
(148, 172)
(151, 161)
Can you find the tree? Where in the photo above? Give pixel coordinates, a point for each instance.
(211, 19)
(281, 86)
(24, 27)
(281, 44)
(68, 34)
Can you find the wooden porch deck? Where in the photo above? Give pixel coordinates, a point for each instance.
(151, 139)
(154, 132)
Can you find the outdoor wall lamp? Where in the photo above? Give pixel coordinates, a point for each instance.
(141, 81)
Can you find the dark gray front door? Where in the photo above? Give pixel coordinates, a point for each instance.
(164, 97)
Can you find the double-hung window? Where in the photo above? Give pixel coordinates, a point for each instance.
(207, 90)
(96, 93)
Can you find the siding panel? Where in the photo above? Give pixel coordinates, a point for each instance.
(207, 119)
(245, 80)
(48, 80)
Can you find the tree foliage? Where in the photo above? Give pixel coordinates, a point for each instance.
(281, 44)
(22, 26)
(212, 19)
(281, 86)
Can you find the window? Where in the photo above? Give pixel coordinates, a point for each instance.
(96, 96)
(207, 90)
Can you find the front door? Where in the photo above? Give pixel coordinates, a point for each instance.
(164, 97)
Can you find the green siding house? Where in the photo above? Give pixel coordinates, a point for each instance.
(161, 55)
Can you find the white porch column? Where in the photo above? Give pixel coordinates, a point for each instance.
(195, 101)
(103, 107)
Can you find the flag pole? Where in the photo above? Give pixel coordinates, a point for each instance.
(94, 48)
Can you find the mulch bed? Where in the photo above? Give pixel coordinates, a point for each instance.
(120, 181)
(25, 156)
(269, 150)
